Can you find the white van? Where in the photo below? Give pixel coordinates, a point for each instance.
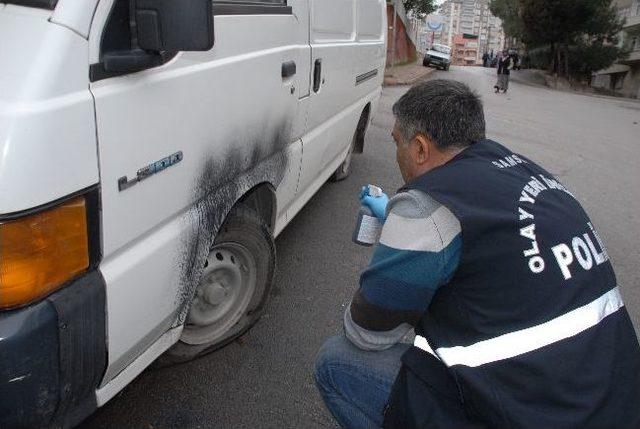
(150, 151)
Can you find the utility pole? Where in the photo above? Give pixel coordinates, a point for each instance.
(450, 33)
(395, 22)
(417, 23)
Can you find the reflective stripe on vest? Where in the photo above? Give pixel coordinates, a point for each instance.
(526, 340)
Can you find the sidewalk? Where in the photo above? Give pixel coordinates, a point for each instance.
(406, 74)
(542, 79)
(531, 77)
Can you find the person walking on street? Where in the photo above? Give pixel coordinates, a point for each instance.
(503, 277)
(498, 61)
(485, 60)
(516, 61)
(505, 64)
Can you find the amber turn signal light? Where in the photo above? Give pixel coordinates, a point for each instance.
(40, 252)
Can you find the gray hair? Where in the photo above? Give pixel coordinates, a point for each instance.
(446, 111)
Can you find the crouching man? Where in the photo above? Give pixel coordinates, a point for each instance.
(518, 318)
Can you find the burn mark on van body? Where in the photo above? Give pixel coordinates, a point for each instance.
(255, 156)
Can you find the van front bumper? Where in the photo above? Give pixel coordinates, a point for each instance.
(52, 356)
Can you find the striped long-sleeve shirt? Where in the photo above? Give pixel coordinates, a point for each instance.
(419, 250)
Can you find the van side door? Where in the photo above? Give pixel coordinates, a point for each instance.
(347, 60)
(224, 122)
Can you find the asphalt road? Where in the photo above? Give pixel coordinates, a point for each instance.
(265, 381)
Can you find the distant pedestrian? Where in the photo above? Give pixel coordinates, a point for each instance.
(498, 58)
(516, 61)
(485, 60)
(505, 64)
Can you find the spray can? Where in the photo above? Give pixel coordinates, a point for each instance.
(368, 227)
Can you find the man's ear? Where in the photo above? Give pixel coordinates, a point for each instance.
(422, 149)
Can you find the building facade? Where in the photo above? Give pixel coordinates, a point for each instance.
(469, 22)
(624, 76)
(465, 50)
(450, 10)
(488, 28)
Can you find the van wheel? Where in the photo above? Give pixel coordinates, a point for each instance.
(343, 171)
(345, 168)
(233, 289)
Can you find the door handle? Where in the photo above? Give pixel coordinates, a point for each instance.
(317, 75)
(288, 69)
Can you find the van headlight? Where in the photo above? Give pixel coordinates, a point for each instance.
(41, 252)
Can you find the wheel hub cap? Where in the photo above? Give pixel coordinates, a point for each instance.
(223, 295)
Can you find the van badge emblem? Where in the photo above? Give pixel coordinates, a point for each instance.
(155, 167)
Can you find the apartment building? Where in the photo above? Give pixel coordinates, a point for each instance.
(623, 77)
(473, 19)
(488, 28)
(450, 10)
(465, 50)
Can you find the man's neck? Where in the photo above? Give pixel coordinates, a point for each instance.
(439, 158)
(442, 157)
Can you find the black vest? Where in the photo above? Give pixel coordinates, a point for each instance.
(530, 331)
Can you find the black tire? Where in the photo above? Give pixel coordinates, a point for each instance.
(244, 227)
(344, 170)
(425, 63)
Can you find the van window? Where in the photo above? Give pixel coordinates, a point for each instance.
(370, 20)
(328, 26)
(117, 33)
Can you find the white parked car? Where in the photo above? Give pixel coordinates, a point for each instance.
(438, 56)
(150, 151)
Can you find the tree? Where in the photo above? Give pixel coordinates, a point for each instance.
(507, 11)
(420, 8)
(585, 59)
(570, 24)
(573, 35)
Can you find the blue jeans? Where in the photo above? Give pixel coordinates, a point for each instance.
(356, 384)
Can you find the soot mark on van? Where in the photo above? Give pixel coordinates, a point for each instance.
(255, 156)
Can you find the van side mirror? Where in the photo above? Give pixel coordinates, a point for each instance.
(174, 25)
(159, 29)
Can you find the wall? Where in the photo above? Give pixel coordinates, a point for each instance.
(631, 83)
(405, 49)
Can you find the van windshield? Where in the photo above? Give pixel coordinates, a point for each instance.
(441, 48)
(44, 4)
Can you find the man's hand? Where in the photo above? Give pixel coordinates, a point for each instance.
(377, 204)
